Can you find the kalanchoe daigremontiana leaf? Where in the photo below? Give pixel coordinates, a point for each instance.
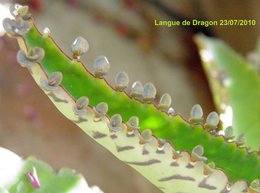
(33, 55)
(31, 175)
(237, 97)
(17, 27)
(158, 143)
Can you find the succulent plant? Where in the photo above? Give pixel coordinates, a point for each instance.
(175, 154)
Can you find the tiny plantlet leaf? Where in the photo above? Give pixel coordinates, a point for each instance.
(115, 122)
(19, 10)
(197, 153)
(82, 102)
(101, 66)
(79, 46)
(229, 132)
(176, 166)
(149, 92)
(137, 89)
(102, 108)
(146, 135)
(14, 9)
(80, 107)
(165, 101)
(196, 114)
(53, 81)
(121, 81)
(133, 123)
(34, 55)
(16, 27)
(213, 119)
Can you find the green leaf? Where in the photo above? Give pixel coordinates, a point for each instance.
(79, 82)
(234, 82)
(34, 176)
(50, 181)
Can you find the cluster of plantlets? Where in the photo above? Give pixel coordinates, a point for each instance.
(174, 154)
